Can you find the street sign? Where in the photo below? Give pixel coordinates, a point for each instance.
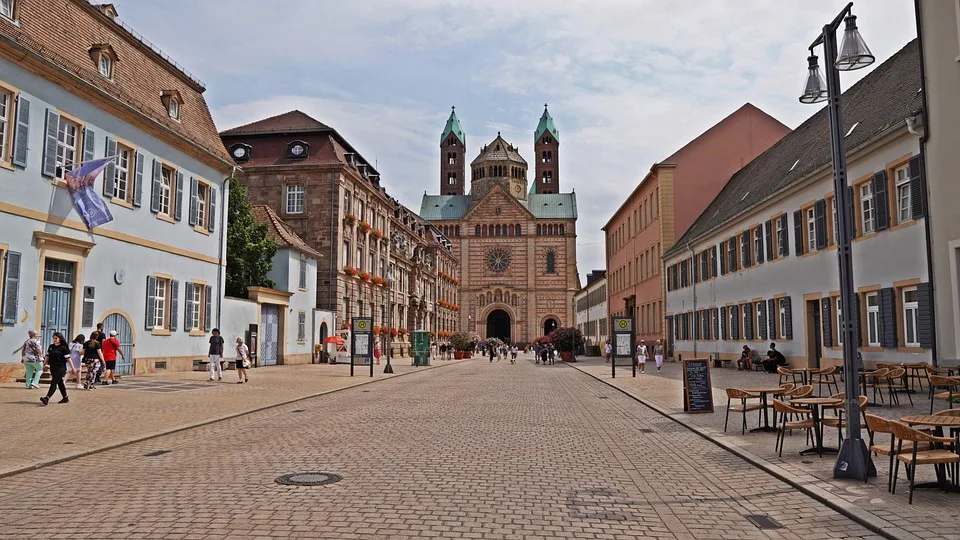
(361, 343)
(622, 344)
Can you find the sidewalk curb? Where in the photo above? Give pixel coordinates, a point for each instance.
(867, 519)
(202, 423)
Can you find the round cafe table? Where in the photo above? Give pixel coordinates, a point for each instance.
(815, 403)
(762, 392)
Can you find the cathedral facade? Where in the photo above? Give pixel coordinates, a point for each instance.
(516, 243)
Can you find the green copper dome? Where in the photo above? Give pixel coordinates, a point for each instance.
(546, 124)
(453, 126)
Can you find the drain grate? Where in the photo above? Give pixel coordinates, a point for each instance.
(764, 522)
(297, 410)
(158, 453)
(603, 397)
(309, 479)
(645, 430)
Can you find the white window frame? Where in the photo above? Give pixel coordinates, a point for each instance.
(168, 182)
(296, 197)
(902, 186)
(873, 319)
(121, 185)
(7, 99)
(743, 321)
(744, 242)
(346, 252)
(105, 66)
(162, 285)
(303, 274)
(8, 8)
(196, 307)
(203, 199)
(910, 310)
(547, 177)
(68, 145)
(781, 237)
(839, 312)
(868, 222)
(173, 108)
(811, 230)
(782, 311)
(836, 226)
(759, 308)
(301, 326)
(757, 242)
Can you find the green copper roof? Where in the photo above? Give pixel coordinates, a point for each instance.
(453, 126)
(546, 124)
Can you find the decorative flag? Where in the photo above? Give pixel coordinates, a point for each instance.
(89, 204)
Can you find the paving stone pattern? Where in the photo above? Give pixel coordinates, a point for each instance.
(934, 514)
(475, 450)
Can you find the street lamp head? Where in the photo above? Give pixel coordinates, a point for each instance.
(854, 53)
(815, 90)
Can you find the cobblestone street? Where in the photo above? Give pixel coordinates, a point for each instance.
(474, 450)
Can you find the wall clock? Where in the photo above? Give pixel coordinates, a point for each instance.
(498, 259)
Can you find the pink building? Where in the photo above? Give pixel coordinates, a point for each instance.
(666, 202)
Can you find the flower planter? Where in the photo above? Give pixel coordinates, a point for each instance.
(566, 356)
(459, 355)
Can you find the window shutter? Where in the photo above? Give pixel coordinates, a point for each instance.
(723, 258)
(155, 187)
(138, 182)
(782, 241)
(178, 206)
(11, 288)
(716, 323)
(745, 256)
(208, 315)
(212, 216)
(695, 268)
(759, 233)
(174, 304)
(713, 261)
(748, 325)
(798, 232)
(192, 217)
(21, 137)
(853, 212)
(761, 308)
(772, 318)
(151, 301)
(881, 207)
(768, 228)
(820, 222)
(924, 315)
(732, 248)
(49, 166)
(89, 138)
(188, 307)
(723, 315)
(916, 189)
(788, 318)
(110, 172)
(735, 326)
(696, 324)
(826, 320)
(888, 318)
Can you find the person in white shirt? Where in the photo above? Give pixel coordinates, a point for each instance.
(658, 355)
(607, 351)
(642, 355)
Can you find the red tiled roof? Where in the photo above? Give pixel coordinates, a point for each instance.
(288, 122)
(281, 232)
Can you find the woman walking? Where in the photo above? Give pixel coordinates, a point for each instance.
(658, 355)
(58, 355)
(642, 356)
(31, 356)
(76, 357)
(93, 358)
(243, 360)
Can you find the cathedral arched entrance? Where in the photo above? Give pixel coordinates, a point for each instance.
(549, 325)
(498, 325)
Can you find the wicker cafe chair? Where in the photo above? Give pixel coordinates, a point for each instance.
(826, 376)
(840, 422)
(743, 408)
(945, 460)
(877, 375)
(878, 424)
(787, 373)
(780, 412)
(785, 388)
(895, 382)
(841, 396)
(952, 387)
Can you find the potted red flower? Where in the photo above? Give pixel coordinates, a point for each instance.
(350, 218)
(349, 270)
(364, 226)
(394, 332)
(364, 275)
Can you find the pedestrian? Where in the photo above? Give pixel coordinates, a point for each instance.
(215, 354)
(642, 356)
(433, 351)
(607, 351)
(101, 337)
(543, 355)
(551, 353)
(376, 354)
(93, 358)
(58, 356)
(76, 357)
(658, 355)
(31, 356)
(492, 354)
(243, 360)
(110, 348)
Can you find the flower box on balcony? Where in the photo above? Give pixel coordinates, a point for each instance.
(349, 270)
(364, 226)
(350, 218)
(364, 276)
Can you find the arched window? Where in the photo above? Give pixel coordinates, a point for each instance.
(476, 231)
(514, 300)
(456, 232)
(489, 297)
(538, 230)
(551, 262)
(497, 229)
(561, 230)
(550, 229)
(510, 232)
(519, 230)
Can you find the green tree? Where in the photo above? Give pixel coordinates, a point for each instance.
(250, 249)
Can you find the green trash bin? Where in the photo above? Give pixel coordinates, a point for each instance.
(420, 341)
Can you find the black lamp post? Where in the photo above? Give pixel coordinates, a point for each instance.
(573, 313)
(388, 368)
(853, 459)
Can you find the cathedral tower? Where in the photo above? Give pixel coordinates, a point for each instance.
(546, 149)
(453, 157)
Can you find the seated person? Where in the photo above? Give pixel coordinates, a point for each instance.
(748, 359)
(771, 362)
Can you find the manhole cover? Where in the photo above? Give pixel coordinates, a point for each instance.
(157, 453)
(309, 479)
(764, 522)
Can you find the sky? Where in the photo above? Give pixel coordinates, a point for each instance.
(628, 81)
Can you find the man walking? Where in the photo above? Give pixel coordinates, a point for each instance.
(110, 348)
(216, 354)
(101, 337)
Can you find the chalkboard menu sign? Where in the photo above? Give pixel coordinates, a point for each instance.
(697, 390)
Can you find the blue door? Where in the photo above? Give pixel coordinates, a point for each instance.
(125, 335)
(269, 334)
(57, 300)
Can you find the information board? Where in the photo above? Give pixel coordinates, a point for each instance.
(622, 345)
(697, 388)
(362, 343)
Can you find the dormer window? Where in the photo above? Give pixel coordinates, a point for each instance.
(297, 150)
(172, 102)
(8, 9)
(240, 152)
(104, 57)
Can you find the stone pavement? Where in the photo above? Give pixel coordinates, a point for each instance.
(143, 406)
(476, 450)
(934, 514)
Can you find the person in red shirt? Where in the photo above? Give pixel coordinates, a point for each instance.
(111, 347)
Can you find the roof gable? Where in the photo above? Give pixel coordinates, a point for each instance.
(294, 121)
(499, 150)
(497, 195)
(281, 232)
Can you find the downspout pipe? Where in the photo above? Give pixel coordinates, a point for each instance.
(693, 278)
